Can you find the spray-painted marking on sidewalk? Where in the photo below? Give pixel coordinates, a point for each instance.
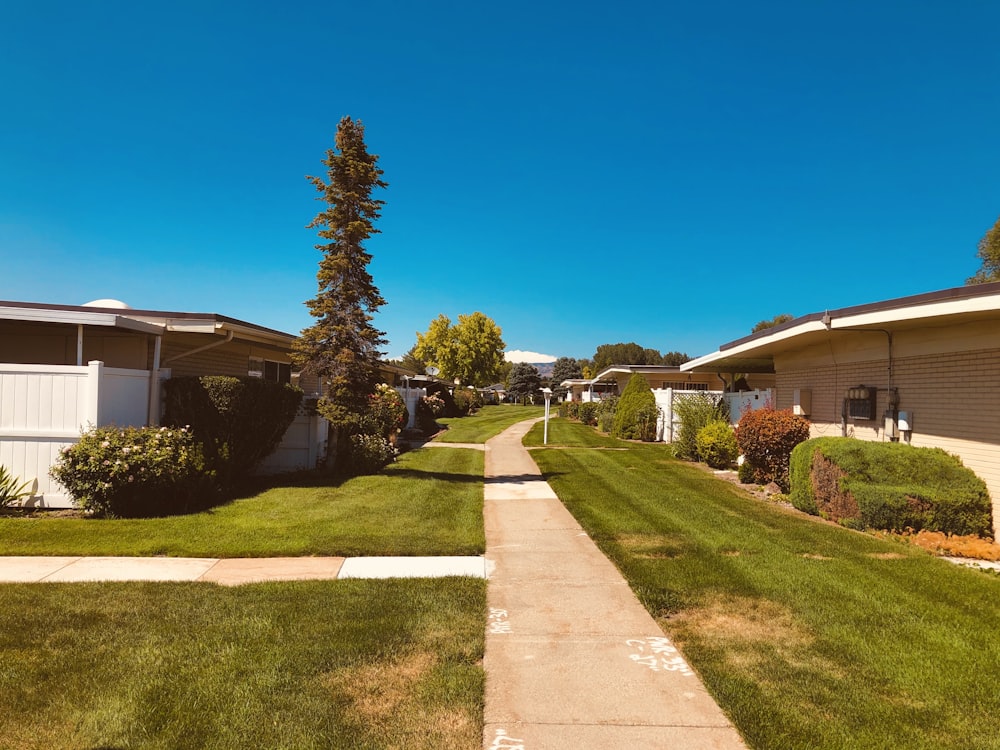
(658, 654)
(502, 741)
(498, 621)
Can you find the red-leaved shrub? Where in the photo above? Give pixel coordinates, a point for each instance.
(766, 437)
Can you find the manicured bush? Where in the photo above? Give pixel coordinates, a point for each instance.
(588, 413)
(136, 472)
(240, 421)
(369, 453)
(695, 410)
(889, 486)
(716, 443)
(766, 438)
(632, 417)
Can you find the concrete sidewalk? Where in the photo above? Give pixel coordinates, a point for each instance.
(572, 659)
(232, 571)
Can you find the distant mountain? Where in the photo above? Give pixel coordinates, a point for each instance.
(544, 368)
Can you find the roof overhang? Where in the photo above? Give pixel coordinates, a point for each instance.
(755, 353)
(144, 321)
(77, 317)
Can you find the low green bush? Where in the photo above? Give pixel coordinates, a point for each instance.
(694, 411)
(426, 419)
(716, 444)
(369, 453)
(569, 409)
(467, 401)
(889, 486)
(588, 413)
(240, 421)
(607, 407)
(136, 472)
(766, 438)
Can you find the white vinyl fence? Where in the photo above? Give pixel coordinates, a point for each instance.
(44, 408)
(669, 422)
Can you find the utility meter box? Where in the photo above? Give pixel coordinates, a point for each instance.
(802, 402)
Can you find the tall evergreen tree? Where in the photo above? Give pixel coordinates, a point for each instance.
(524, 382)
(342, 346)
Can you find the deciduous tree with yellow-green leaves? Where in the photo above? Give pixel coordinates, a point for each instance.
(989, 254)
(470, 350)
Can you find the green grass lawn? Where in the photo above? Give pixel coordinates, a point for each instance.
(485, 423)
(809, 635)
(429, 502)
(333, 664)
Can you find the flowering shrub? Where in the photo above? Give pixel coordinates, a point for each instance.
(369, 453)
(387, 413)
(436, 404)
(766, 438)
(136, 472)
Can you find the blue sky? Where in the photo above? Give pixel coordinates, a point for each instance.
(666, 173)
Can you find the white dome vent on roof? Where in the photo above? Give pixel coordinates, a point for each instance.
(115, 303)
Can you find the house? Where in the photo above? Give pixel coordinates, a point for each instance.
(669, 383)
(64, 368)
(922, 370)
(613, 379)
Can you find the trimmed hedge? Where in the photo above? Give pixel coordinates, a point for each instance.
(889, 486)
(766, 438)
(716, 443)
(240, 421)
(631, 419)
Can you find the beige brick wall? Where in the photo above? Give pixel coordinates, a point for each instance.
(953, 396)
(231, 358)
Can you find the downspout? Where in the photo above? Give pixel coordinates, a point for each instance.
(892, 401)
(200, 349)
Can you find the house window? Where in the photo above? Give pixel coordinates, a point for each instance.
(276, 372)
(680, 385)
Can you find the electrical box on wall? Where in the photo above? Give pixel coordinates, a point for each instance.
(861, 402)
(802, 402)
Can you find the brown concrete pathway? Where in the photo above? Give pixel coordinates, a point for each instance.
(572, 659)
